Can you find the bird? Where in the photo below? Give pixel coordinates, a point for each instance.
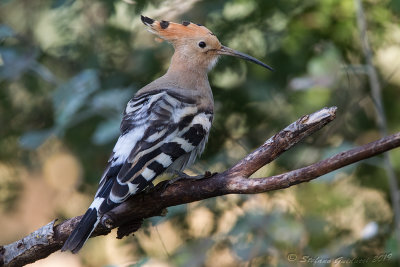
(165, 126)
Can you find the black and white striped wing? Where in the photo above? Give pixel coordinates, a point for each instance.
(160, 131)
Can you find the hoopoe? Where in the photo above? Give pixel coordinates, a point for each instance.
(165, 125)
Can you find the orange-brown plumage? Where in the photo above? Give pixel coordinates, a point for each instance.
(171, 31)
(195, 46)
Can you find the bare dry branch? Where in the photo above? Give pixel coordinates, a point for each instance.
(129, 215)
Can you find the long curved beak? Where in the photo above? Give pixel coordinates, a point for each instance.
(224, 50)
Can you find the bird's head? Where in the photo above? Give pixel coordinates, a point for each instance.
(194, 43)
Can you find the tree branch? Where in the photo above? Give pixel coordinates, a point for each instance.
(130, 214)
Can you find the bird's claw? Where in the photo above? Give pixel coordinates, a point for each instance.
(150, 187)
(182, 175)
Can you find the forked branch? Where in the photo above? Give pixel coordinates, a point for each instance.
(129, 215)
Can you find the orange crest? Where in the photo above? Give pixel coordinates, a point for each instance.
(171, 31)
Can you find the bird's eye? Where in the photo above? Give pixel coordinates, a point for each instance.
(202, 44)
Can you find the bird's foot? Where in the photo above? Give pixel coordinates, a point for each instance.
(150, 187)
(181, 175)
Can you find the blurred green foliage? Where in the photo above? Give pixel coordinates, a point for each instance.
(68, 68)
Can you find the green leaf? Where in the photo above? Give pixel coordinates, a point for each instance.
(6, 31)
(106, 131)
(61, 3)
(33, 139)
(70, 97)
(113, 99)
(15, 62)
(141, 262)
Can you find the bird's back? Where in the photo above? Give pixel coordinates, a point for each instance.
(162, 129)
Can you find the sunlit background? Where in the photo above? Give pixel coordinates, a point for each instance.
(68, 68)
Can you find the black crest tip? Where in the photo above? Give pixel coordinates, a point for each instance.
(164, 24)
(146, 20)
(185, 23)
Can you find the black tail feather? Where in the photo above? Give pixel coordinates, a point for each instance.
(82, 232)
(90, 219)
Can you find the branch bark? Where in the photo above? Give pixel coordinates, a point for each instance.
(129, 215)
